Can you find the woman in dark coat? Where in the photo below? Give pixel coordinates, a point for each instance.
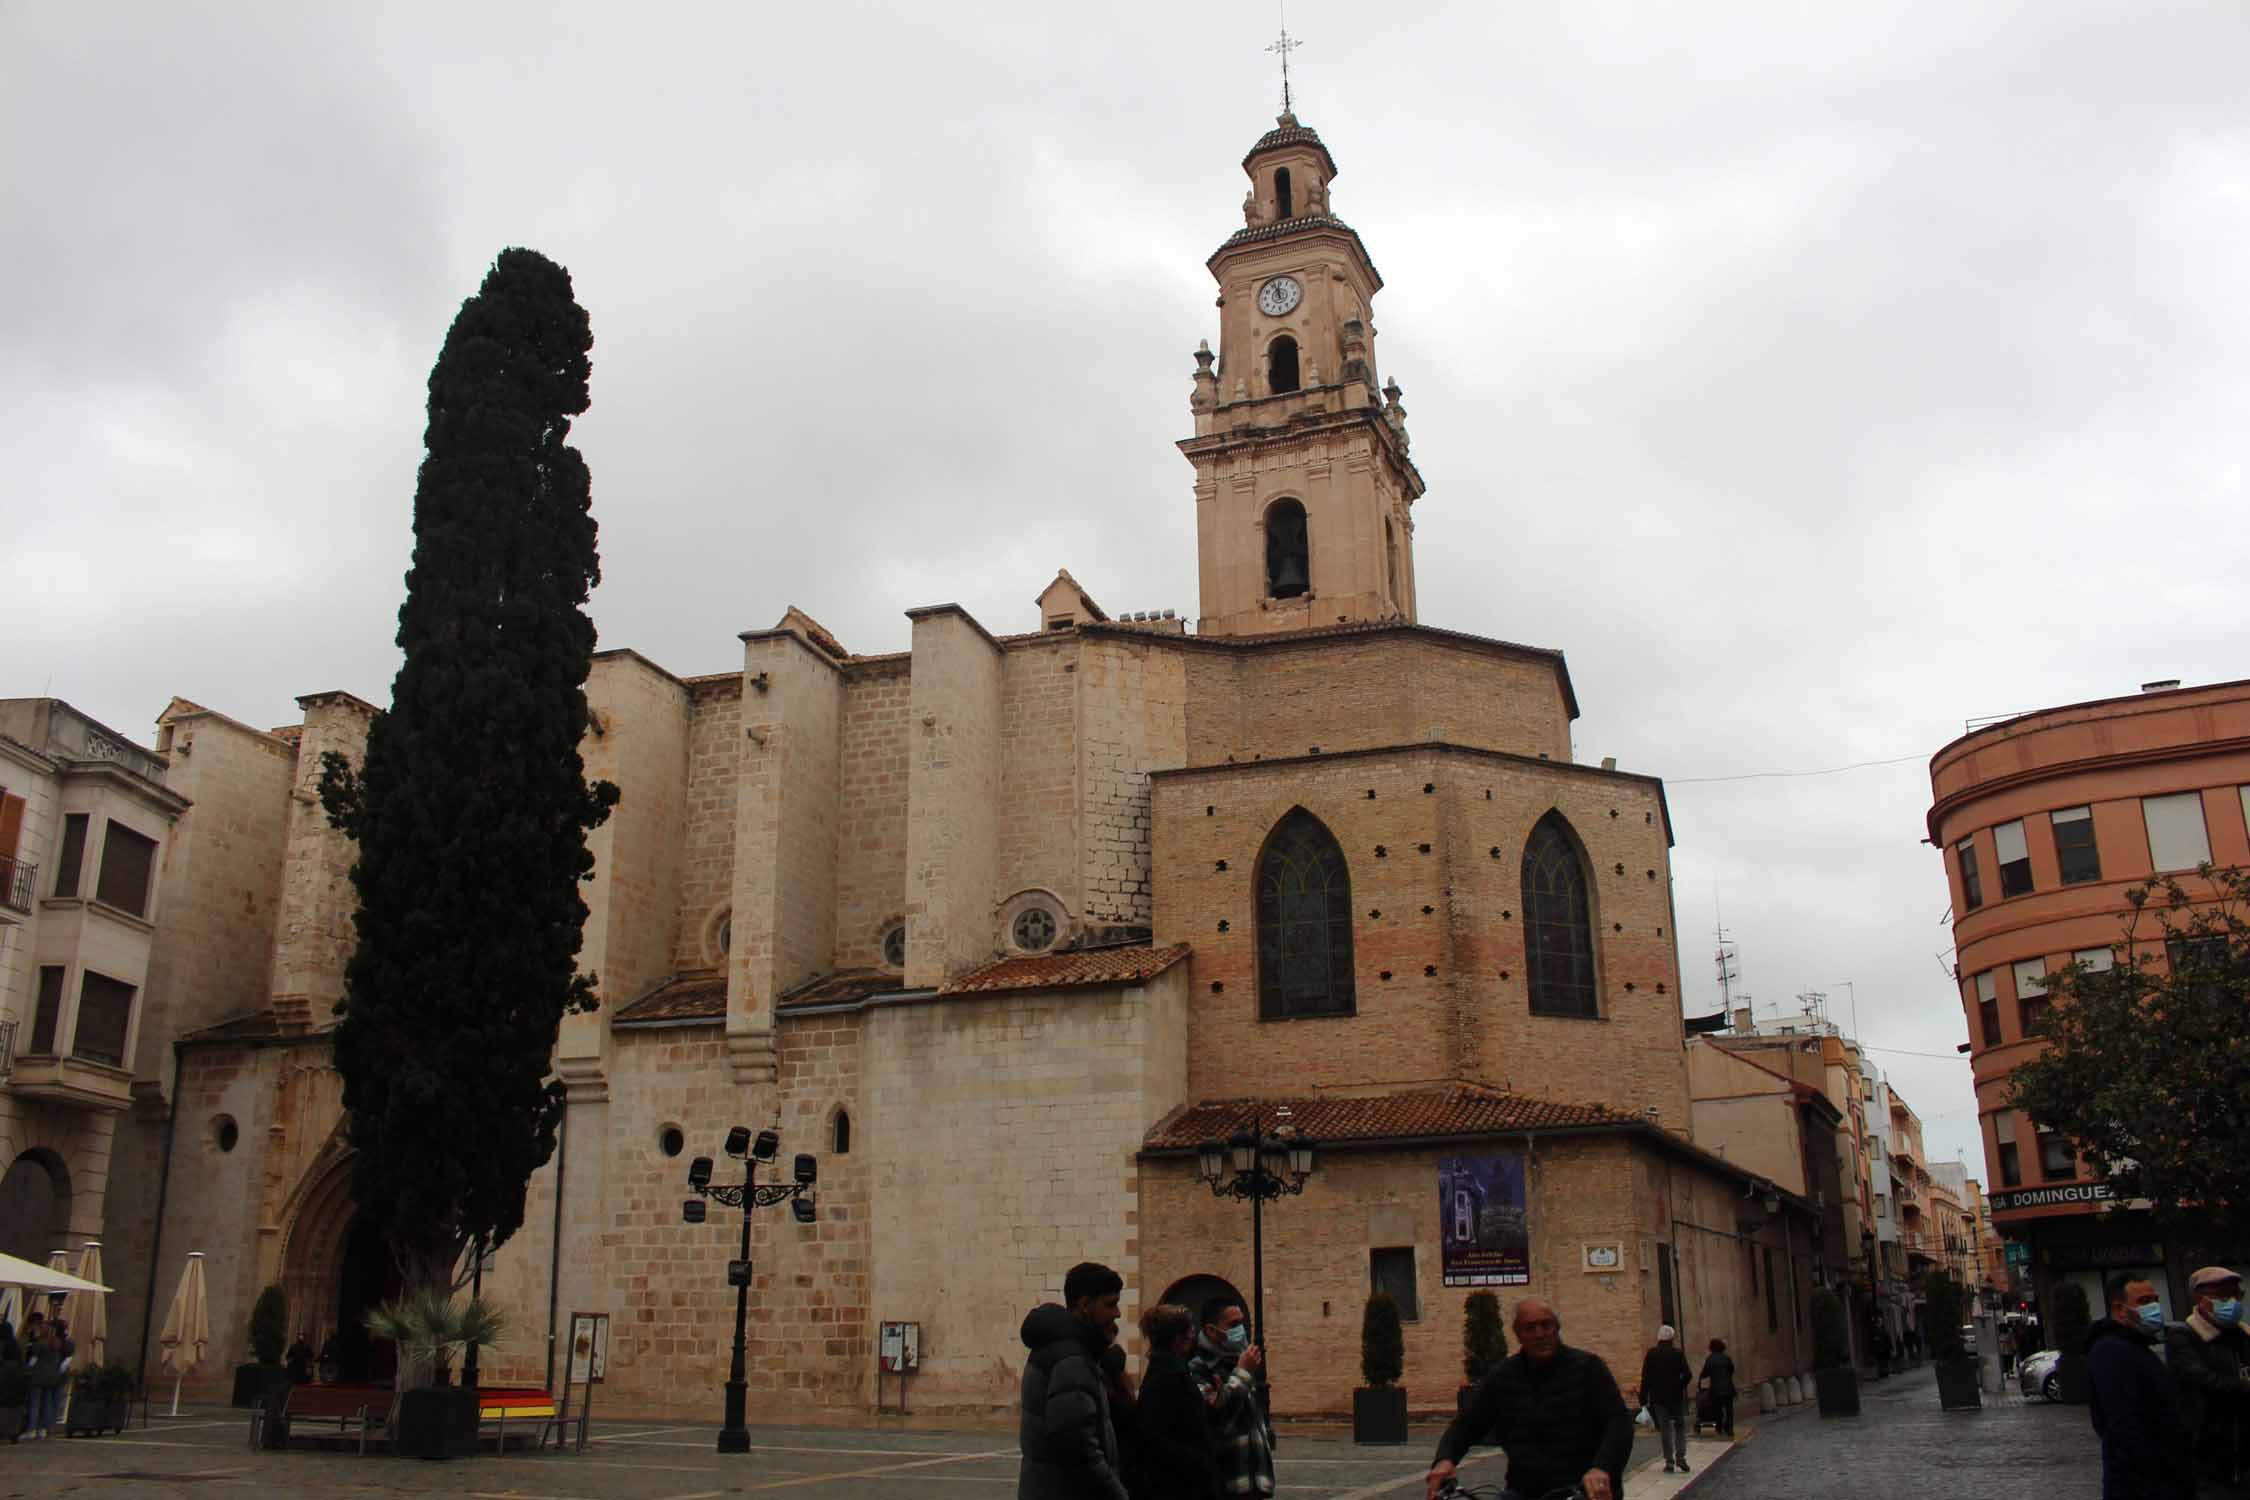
(1718, 1378)
(1177, 1461)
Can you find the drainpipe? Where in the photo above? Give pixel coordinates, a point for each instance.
(156, 1239)
(554, 1258)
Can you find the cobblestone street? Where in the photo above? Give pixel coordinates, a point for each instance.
(1902, 1444)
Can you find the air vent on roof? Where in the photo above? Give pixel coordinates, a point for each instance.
(2161, 685)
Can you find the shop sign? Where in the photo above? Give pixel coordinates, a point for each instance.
(2105, 1257)
(2049, 1197)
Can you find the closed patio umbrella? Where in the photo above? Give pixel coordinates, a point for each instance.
(89, 1315)
(187, 1327)
(58, 1261)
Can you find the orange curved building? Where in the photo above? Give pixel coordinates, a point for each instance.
(2045, 821)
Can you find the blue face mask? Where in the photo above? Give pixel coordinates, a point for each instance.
(2228, 1313)
(1238, 1338)
(2152, 1317)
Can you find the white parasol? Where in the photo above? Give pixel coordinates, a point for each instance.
(187, 1327)
(89, 1311)
(37, 1279)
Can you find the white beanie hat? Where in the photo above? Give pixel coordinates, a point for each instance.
(1666, 1334)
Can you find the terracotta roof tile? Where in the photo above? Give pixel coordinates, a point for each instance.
(1456, 1109)
(1086, 968)
(699, 995)
(844, 987)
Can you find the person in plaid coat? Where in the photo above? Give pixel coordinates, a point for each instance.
(1225, 1366)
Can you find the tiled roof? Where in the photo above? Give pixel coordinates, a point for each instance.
(244, 1026)
(1255, 232)
(1455, 1109)
(700, 995)
(1289, 133)
(1085, 969)
(844, 987)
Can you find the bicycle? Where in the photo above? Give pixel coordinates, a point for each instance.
(1453, 1489)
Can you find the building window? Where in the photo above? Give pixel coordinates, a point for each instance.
(1392, 1271)
(671, 1140)
(1281, 366)
(73, 855)
(2057, 1163)
(225, 1133)
(2176, 838)
(1972, 885)
(840, 1140)
(1988, 1008)
(2005, 1150)
(128, 861)
(1288, 551)
(1304, 922)
(105, 1014)
(2015, 859)
(1558, 926)
(1284, 201)
(2031, 996)
(1034, 929)
(46, 1020)
(2192, 956)
(894, 947)
(2074, 845)
(2095, 960)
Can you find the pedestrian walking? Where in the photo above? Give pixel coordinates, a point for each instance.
(298, 1361)
(1066, 1436)
(2005, 1340)
(2145, 1446)
(1718, 1379)
(1226, 1365)
(1664, 1383)
(43, 1378)
(1879, 1345)
(2208, 1356)
(1555, 1410)
(1178, 1458)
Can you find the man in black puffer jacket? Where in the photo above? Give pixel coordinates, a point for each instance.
(1556, 1410)
(1068, 1441)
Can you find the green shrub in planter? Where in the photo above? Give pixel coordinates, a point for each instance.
(1484, 1338)
(1379, 1407)
(1831, 1338)
(269, 1326)
(1941, 1318)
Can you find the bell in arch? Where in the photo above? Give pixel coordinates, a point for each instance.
(1289, 578)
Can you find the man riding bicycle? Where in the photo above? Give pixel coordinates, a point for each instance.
(1556, 1410)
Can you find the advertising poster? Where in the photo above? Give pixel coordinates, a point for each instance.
(1485, 1234)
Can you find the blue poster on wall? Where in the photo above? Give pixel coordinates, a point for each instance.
(1485, 1234)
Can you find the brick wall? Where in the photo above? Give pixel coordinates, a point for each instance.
(314, 935)
(714, 749)
(1038, 809)
(871, 810)
(952, 836)
(1133, 720)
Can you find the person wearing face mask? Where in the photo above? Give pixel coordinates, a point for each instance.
(1226, 1365)
(2208, 1356)
(2145, 1454)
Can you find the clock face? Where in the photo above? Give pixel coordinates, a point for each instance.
(1279, 296)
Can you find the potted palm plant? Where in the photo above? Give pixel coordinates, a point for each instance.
(1379, 1407)
(1957, 1383)
(434, 1417)
(1834, 1380)
(1484, 1342)
(269, 1331)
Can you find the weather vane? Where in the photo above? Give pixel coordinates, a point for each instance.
(1285, 44)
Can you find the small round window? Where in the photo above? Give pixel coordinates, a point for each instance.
(722, 934)
(671, 1141)
(1035, 929)
(225, 1134)
(894, 947)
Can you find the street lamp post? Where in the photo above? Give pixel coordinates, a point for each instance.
(1258, 1166)
(734, 1435)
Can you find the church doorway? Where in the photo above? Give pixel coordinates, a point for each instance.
(366, 1278)
(35, 1206)
(1191, 1292)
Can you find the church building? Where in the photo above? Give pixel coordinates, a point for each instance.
(1005, 929)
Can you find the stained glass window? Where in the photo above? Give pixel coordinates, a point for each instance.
(1558, 927)
(1304, 922)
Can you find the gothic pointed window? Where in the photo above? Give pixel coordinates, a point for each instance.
(1283, 207)
(1288, 551)
(1558, 927)
(1304, 922)
(1281, 366)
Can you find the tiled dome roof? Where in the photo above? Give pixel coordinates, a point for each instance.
(1289, 133)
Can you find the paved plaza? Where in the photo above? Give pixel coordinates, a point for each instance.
(1902, 1444)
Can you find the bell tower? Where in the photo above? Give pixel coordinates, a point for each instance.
(1304, 492)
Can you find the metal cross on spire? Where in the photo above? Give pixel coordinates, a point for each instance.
(1285, 44)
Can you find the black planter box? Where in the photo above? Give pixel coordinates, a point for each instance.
(1957, 1384)
(98, 1416)
(11, 1422)
(1379, 1414)
(1838, 1390)
(2071, 1378)
(435, 1421)
(253, 1381)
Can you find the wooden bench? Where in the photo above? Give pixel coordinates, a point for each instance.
(369, 1406)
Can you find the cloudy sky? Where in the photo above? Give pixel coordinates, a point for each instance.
(1817, 377)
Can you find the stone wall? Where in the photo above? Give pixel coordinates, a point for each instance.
(1038, 807)
(952, 835)
(871, 810)
(714, 748)
(314, 934)
(1132, 721)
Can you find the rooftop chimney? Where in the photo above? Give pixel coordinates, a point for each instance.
(2161, 685)
(1743, 1026)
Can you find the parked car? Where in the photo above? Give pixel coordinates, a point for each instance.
(2035, 1374)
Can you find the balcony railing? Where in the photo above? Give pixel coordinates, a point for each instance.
(18, 878)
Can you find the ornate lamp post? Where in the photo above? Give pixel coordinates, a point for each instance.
(1258, 1167)
(734, 1436)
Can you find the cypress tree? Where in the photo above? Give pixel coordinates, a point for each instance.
(471, 808)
